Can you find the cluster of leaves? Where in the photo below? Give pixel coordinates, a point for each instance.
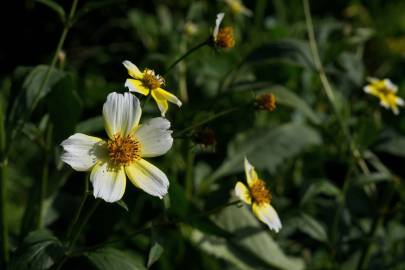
(335, 175)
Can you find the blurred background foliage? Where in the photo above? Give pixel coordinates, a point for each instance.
(335, 213)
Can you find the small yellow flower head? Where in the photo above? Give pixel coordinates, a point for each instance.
(386, 91)
(266, 102)
(148, 82)
(237, 7)
(258, 195)
(223, 37)
(190, 28)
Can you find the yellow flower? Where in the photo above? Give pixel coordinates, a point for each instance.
(386, 91)
(121, 155)
(222, 37)
(257, 195)
(147, 82)
(237, 7)
(266, 102)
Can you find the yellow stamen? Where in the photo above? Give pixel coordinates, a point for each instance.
(225, 38)
(124, 150)
(152, 81)
(260, 193)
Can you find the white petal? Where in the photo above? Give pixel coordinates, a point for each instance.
(155, 137)
(390, 85)
(243, 192)
(148, 178)
(250, 172)
(400, 101)
(82, 151)
(121, 114)
(220, 17)
(133, 70)
(108, 182)
(268, 215)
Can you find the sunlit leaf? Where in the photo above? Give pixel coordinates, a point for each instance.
(109, 258)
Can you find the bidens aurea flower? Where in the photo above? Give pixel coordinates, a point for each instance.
(386, 91)
(237, 7)
(257, 195)
(222, 37)
(147, 82)
(121, 155)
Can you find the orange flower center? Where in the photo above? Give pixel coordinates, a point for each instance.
(266, 102)
(123, 150)
(225, 38)
(151, 80)
(260, 193)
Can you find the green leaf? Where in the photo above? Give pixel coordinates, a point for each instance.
(109, 258)
(289, 98)
(39, 250)
(61, 100)
(154, 253)
(292, 51)
(123, 205)
(267, 148)
(394, 146)
(55, 7)
(311, 227)
(252, 246)
(34, 84)
(323, 187)
(91, 125)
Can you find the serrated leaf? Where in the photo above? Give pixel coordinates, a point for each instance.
(109, 258)
(40, 250)
(321, 187)
(55, 7)
(289, 98)
(34, 86)
(293, 51)
(251, 246)
(267, 148)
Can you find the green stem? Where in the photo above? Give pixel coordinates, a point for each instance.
(328, 88)
(195, 48)
(189, 169)
(79, 210)
(209, 119)
(86, 218)
(61, 41)
(4, 249)
(378, 220)
(44, 178)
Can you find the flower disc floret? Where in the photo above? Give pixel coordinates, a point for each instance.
(124, 150)
(260, 193)
(151, 80)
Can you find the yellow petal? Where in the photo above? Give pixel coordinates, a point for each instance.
(163, 94)
(133, 70)
(136, 86)
(266, 213)
(162, 103)
(251, 175)
(243, 192)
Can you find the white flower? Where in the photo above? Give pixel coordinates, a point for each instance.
(237, 7)
(110, 161)
(257, 195)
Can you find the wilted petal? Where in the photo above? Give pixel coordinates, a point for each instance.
(243, 192)
(267, 214)
(251, 175)
(220, 17)
(136, 86)
(133, 70)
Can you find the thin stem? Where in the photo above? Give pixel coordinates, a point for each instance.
(195, 48)
(328, 88)
(79, 210)
(378, 220)
(209, 119)
(4, 250)
(189, 169)
(37, 98)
